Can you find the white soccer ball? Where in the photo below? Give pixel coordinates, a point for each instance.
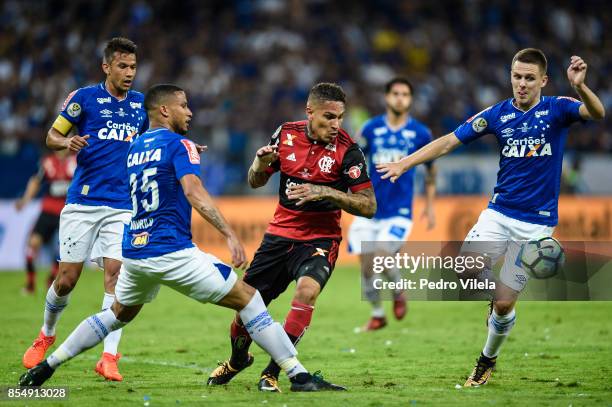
(542, 258)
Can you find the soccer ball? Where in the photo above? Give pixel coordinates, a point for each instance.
(542, 258)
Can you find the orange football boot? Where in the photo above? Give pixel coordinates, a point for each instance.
(107, 367)
(36, 353)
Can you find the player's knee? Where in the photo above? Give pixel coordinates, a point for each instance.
(503, 307)
(125, 313)
(35, 241)
(65, 281)
(307, 291)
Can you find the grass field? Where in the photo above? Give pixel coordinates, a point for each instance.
(558, 353)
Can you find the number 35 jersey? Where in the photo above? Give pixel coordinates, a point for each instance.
(161, 215)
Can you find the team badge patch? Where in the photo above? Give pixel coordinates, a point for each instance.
(140, 239)
(354, 172)
(192, 151)
(74, 109)
(479, 125)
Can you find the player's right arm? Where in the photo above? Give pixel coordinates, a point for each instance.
(260, 171)
(70, 116)
(429, 152)
(31, 189)
(201, 201)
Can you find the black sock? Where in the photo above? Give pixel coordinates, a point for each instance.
(273, 369)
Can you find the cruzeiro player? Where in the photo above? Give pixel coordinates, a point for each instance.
(531, 130)
(164, 174)
(386, 138)
(107, 116)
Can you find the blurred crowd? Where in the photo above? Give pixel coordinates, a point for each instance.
(247, 65)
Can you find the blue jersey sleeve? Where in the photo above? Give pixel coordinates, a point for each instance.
(72, 109)
(567, 109)
(475, 127)
(185, 158)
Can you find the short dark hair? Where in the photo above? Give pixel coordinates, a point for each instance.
(157, 94)
(531, 56)
(327, 92)
(398, 80)
(118, 44)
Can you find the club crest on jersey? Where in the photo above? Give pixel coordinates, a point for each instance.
(326, 163)
(104, 100)
(479, 125)
(74, 109)
(289, 141)
(192, 151)
(140, 239)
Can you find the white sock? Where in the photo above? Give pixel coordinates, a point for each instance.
(393, 274)
(270, 335)
(54, 305)
(88, 334)
(111, 342)
(372, 294)
(499, 329)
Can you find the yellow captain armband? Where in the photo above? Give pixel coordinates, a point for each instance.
(62, 125)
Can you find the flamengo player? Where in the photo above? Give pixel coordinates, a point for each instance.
(319, 163)
(386, 138)
(107, 116)
(54, 173)
(163, 168)
(531, 130)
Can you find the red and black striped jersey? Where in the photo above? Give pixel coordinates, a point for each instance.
(57, 174)
(339, 165)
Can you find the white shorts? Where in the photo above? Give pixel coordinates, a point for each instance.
(191, 272)
(91, 232)
(391, 232)
(501, 235)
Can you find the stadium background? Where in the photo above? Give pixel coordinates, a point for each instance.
(248, 65)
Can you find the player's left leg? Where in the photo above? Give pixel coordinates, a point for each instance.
(107, 247)
(392, 235)
(87, 334)
(312, 267)
(512, 281)
(501, 321)
(34, 244)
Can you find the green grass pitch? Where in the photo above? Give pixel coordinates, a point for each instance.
(558, 353)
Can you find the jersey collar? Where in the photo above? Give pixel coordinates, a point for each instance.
(396, 129)
(103, 87)
(531, 108)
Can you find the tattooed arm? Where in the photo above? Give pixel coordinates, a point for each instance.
(201, 201)
(360, 203)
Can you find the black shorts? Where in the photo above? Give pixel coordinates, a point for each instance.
(46, 226)
(279, 261)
